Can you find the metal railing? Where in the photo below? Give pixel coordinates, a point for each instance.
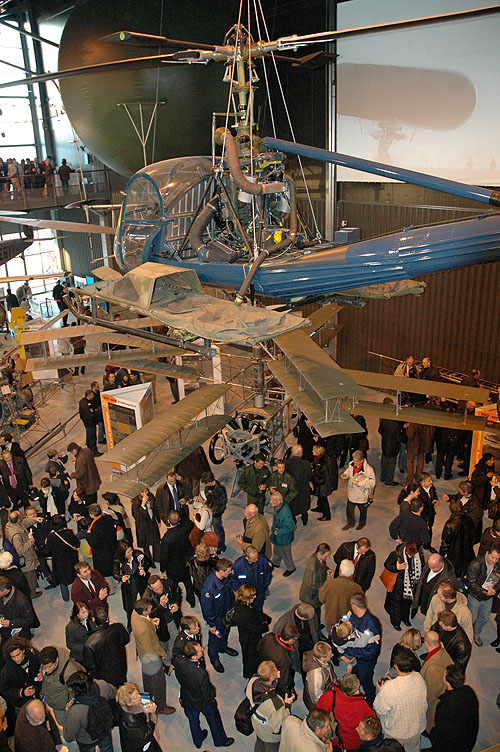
(30, 192)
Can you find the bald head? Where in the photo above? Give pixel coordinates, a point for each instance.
(435, 562)
(431, 640)
(297, 450)
(35, 712)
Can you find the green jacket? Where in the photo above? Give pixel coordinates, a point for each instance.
(283, 525)
(314, 577)
(285, 484)
(250, 479)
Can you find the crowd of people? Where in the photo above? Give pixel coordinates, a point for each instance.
(325, 646)
(29, 174)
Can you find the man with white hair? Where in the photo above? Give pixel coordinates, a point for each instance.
(336, 593)
(256, 532)
(361, 481)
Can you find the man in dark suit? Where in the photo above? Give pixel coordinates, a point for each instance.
(16, 478)
(364, 559)
(172, 497)
(7, 442)
(101, 537)
(175, 549)
(301, 472)
(89, 418)
(390, 431)
(18, 614)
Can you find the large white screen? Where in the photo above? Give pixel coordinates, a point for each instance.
(427, 99)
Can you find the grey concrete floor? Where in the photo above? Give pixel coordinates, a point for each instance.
(483, 672)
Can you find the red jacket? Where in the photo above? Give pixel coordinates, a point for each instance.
(80, 592)
(348, 712)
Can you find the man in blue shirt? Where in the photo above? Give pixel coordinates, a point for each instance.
(217, 598)
(366, 658)
(253, 569)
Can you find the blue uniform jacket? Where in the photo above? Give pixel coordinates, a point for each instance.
(367, 621)
(217, 598)
(283, 524)
(258, 574)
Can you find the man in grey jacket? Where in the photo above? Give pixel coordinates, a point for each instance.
(483, 577)
(271, 708)
(57, 666)
(87, 692)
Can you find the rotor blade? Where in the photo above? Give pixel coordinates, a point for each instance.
(135, 63)
(474, 192)
(29, 278)
(49, 224)
(287, 43)
(137, 39)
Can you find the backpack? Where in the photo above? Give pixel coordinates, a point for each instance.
(100, 719)
(244, 712)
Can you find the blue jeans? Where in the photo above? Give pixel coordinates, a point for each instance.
(219, 529)
(64, 591)
(481, 611)
(211, 713)
(216, 644)
(402, 459)
(101, 436)
(105, 745)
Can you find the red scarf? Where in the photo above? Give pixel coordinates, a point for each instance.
(283, 644)
(431, 653)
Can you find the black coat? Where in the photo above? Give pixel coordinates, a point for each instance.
(136, 731)
(252, 624)
(456, 644)
(323, 472)
(390, 431)
(62, 546)
(105, 653)
(365, 565)
(456, 723)
(101, 536)
(481, 486)
(19, 610)
(199, 571)
(168, 620)
(429, 510)
(76, 637)
(175, 550)
(14, 679)
(394, 600)
(408, 526)
(306, 436)
(22, 473)
(132, 589)
(424, 591)
(301, 472)
(456, 542)
(18, 580)
(197, 691)
(399, 650)
(147, 529)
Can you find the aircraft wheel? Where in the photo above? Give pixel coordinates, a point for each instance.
(216, 449)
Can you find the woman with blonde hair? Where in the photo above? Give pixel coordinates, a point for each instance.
(410, 642)
(252, 624)
(137, 720)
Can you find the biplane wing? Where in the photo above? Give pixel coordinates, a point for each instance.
(145, 364)
(157, 431)
(432, 388)
(65, 332)
(316, 383)
(421, 415)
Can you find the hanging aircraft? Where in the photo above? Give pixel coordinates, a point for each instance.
(232, 221)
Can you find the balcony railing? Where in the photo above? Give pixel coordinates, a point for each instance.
(29, 192)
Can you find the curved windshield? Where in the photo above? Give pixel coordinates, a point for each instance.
(139, 221)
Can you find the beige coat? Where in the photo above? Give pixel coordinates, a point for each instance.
(461, 609)
(432, 672)
(257, 530)
(86, 473)
(336, 595)
(296, 736)
(146, 639)
(24, 545)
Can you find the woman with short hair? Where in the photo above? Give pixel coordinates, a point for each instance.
(137, 720)
(252, 624)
